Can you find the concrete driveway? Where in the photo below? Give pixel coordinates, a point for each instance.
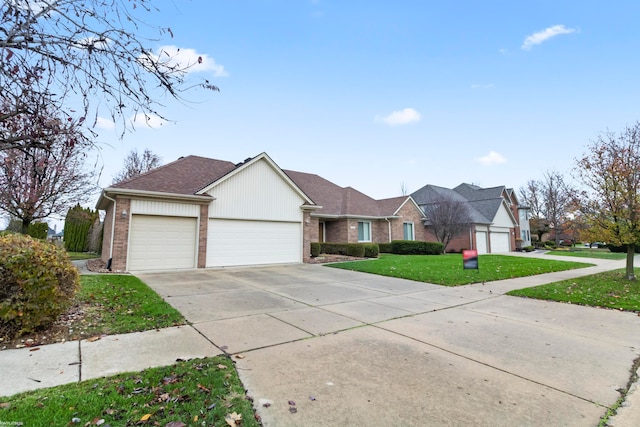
(356, 349)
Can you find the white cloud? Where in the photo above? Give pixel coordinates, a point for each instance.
(544, 35)
(493, 158)
(187, 60)
(148, 120)
(104, 123)
(482, 86)
(402, 117)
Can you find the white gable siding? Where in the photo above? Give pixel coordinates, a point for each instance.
(257, 192)
(502, 218)
(154, 207)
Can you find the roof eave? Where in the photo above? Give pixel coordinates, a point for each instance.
(112, 191)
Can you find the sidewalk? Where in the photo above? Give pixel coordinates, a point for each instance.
(54, 364)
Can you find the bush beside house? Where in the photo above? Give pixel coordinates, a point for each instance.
(37, 283)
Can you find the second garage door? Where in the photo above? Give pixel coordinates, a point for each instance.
(499, 242)
(162, 243)
(242, 242)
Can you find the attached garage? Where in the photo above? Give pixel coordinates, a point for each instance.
(244, 242)
(481, 242)
(500, 242)
(162, 243)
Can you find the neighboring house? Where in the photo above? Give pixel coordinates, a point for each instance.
(494, 216)
(198, 212)
(347, 215)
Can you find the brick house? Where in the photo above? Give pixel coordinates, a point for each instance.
(198, 212)
(495, 217)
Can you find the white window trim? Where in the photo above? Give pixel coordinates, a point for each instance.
(413, 230)
(369, 224)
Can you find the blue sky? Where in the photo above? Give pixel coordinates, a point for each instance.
(378, 94)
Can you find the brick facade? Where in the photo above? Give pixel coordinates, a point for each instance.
(203, 229)
(120, 233)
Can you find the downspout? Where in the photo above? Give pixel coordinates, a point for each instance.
(113, 224)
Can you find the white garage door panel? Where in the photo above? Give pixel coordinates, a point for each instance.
(499, 243)
(162, 243)
(239, 242)
(481, 242)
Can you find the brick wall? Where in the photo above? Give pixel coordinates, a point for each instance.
(311, 233)
(203, 229)
(121, 234)
(106, 239)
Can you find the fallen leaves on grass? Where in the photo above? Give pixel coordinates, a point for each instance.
(233, 419)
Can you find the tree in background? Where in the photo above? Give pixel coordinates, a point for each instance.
(610, 171)
(447, 218)
(77, 227)
(36, 183)
(550, 202)
(86, 49)
(136, 164)
(531, 196)
(558, 196)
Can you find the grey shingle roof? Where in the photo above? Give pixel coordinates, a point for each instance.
(483, 202)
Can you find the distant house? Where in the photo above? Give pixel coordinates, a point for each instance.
(495, 217)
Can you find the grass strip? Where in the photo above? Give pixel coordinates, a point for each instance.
(594, 253)
(447, 269)
(610, 289)
(117, 304)
(195, 392)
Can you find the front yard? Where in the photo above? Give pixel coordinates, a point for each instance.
(447, 269)
(609, 290)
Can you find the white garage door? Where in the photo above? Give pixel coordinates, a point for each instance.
(499, 243)
(241, 242)
(162, 243)
(481, 242)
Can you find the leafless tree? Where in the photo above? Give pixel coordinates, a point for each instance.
(550, 201)
(82, 52)
(558, 196)
(447, 217)
(136, 164)
(404, 190)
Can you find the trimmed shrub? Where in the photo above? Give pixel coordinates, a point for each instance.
(76, 228)
(550, 244)
(371, 250)
(528, 249)
(416, 247)
(348, 249)
(622, 248)
(315, 249)
(37, 284)
(385, 248)
(38, 230)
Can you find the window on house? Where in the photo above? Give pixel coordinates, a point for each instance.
(364, 231)
(407, 228)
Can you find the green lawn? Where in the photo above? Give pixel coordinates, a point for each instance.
(447, 269)
(188, 393)
(589, 253)
(609, 289)
(76, 256)
(116, 304)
